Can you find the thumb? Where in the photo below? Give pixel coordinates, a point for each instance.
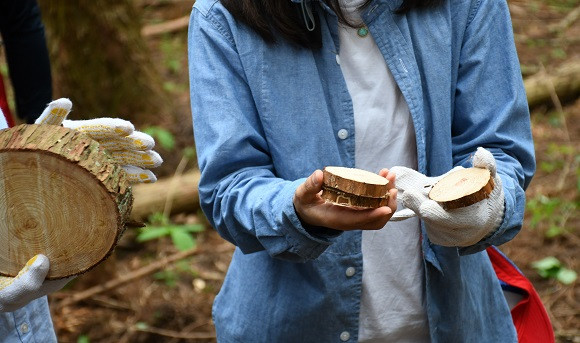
(407, 178)
(413, 199)
(55, 112)
(484, 159)
(307, 192)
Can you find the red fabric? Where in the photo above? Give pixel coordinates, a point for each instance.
(529, 315)
(4, 104)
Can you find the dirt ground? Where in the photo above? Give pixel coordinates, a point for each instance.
(174, 304)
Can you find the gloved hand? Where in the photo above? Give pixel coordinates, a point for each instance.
(28, 285)
(459, 227)
(129, 148)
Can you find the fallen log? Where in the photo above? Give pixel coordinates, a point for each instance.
(180, 190)
(564, 81)
(61, 195)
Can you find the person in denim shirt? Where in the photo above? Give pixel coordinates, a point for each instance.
(407, 89)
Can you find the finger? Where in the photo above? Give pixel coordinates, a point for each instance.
(484, 159)
(55, 112)
(139, 175)
(135, 141)
(407, 178)
(142, 159)
(308, 191)
(30, 277)
(101, 128)
(392, 204)
(413, 199)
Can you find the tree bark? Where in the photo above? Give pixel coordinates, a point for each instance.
(61, 195)
(101, 61)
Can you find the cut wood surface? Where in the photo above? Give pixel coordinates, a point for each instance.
(354, 187)
(61, 195)
(462, 188)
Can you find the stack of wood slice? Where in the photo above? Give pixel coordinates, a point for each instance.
(354, 187)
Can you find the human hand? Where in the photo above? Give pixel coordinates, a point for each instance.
(458, 227)
(315, 211)
(29, 284)
(129, 148)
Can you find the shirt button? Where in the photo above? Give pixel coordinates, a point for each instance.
(350, 271)
(342, 134)
(337, 59)
(345, 336)
(24, 328)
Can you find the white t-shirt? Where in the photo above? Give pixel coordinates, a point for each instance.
(393, 300)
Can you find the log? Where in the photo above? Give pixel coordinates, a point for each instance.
(180, 190)
(564, 81)
(462, 188)
(354, 187)
(61, 195)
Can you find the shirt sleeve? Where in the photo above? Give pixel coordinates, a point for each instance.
(491, 111)
(239, 190)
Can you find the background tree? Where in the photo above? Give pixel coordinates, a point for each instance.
(100, 60)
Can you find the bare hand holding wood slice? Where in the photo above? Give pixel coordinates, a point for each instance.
(61, 195)
(354, 187)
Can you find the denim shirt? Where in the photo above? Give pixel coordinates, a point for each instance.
(267, 115)
(30, 324)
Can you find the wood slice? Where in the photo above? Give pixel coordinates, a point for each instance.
(462, 188)
(354, 187)
(60, 195)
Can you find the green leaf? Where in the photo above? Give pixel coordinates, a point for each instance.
(566, 276)
(150, 233)
(193, 228)
(162, 136)
(141, 325)
(182, 239)
(547, 266)
(83, 339)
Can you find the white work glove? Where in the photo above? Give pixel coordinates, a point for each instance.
(458, 227)
(29, 284)
(129, 148)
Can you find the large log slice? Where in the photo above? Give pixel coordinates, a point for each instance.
(60, 195)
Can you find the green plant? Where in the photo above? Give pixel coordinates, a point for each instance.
(551, 267)
(182, 236)
(83, 339)
(162, 136)
(553, 212)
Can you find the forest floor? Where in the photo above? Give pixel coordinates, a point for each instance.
(173, 304)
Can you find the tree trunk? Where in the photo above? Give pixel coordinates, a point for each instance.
(61, 195)
(101, 62)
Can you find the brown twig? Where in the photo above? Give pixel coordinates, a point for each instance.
(165, 27)
(112, 284)
(560, 110)
(177, 334)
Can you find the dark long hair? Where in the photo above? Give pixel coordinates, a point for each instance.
(288, 18)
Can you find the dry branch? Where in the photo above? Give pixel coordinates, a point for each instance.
(136, 274)
(151, 198)
(565, 81)
(165, 27)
